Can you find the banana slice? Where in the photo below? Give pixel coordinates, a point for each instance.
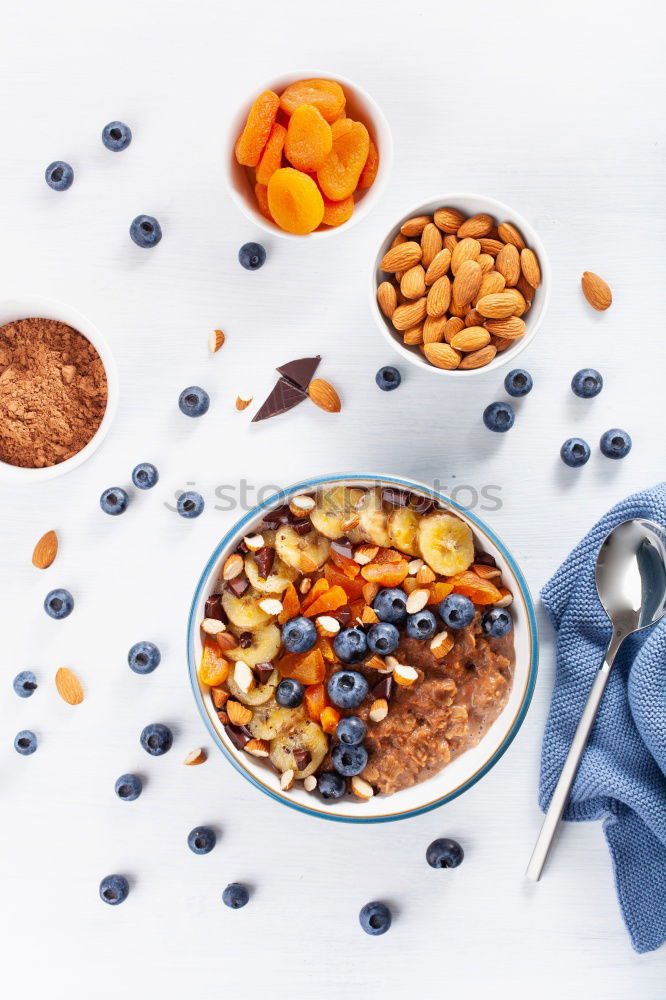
(277, 580)
(271, 720)
(446, 544)
(306, 553)
(332, 509)
(265, 646)
(305, 735)
(259, 695)
(373, 520)
(403, 527)
(244, 611)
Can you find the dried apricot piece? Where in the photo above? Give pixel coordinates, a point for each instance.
(326, 96)
(315, 701)
(370, 169)
(350, 568)
(438, 591)
(291, 606)
(386, 574)
(295, 201)
(319, 587)
(271, 158)
(339, 173)
(308, 668)
(479, 591)
(213, 669)
(325, 647)
(352, 588)
(309, 138)
(338, 212)
(253, 138)
(330, 601)
(329, 719)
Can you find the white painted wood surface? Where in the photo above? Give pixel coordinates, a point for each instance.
(558, 111)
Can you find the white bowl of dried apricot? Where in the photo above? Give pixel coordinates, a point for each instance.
(308, 155)
(461, 285)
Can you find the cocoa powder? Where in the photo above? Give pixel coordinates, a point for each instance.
(53, 392)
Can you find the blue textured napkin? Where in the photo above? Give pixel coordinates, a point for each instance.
(622, 777)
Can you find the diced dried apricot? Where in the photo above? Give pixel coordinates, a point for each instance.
(308, 668)
(370, 169)
(213, 669)
(325, 647)
(479, 591)
(352, 588)
(333, 599)
(350, 568)
(336, 213)
(369, 616)
(370, 591)
(271, 158)
(388, 556)
(295, 201)
(438, 591)
(339, 173)
(386, 574)
(261, 194)
(329, 720)
(291, 606)
(253, 138)
(325, 95)
(315, 701)
(309, 138)
(356, 609)
(318, 588)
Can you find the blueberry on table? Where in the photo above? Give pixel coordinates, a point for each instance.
(421, 625)
(499, 417)
(456, 611)
(290, 693)
(25, 742)
(351, 645)
(388, 378)
(615, 443)
(349, 760)
(59, 175)
(575, 452)
(145, 231)
(587, 383)
(347, 688)
(299, 635)
(114, 501)
(444, 853)
(114, 889)
(390, 605)
(190, 504)
(116, 136)
(235, 896)
(201, 840)
(518, 382)
(383, 638)
(331, 785)
(25, 684)
(143, 657)
(58, 603)
(351, 731)
(497, 622)
(194, 401)
(128, 787)
(145, 476)
(252, 256)
(375, 918)
(156, 739)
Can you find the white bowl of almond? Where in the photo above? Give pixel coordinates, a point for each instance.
(461, 285)
(362, 649)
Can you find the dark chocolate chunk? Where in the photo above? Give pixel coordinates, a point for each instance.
(279, 515)
(245, 640)
(300, 372)
(395, 497)
(484, 559)
(242, 548)
(343, 615)
(239, 585)
(263, 671)
(384, 688)
(239, 735)
(302, 527)
(302, 758)
(343, 547)
(214, 608)
(265, 557)
(284, 396)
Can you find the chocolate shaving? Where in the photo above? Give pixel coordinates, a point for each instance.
(343, 615)
(302, 527)
(238, 586)
(484, 559)
(284, 396)
(245, 640)
(300, 372)
(395, 497)
(264, 558)
(213, 608)
(384, 688)
(302, 758)
(242, 548)
(277, 516)
(263, 671)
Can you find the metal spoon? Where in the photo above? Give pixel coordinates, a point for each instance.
(631, 583)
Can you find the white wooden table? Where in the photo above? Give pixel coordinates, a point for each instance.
(557, 111)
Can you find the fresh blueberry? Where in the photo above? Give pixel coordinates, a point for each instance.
(235, 895)
(59, 175)
(194, 401)
(290, 693)
(145, 476)
(25, 742)
(114, 501)
(421, 625)
(331, 785)
(156, 739)
(587, 383)
(145, 231)
(58, 603)
(351, 731)
(114, 889)
(456, 611)
(518, 382)
(497, 622)
(347, 760)
(390, 605)
(201, 840)
(351, 644)
(383, 638)
(444, 853)
(575, 452)
(299, 634)
(615, 443)
(375, 918)
(143, 657)
(25, 684)
(499, 417)
(388, 378)
(190, 504)
(347, 688)
(252, 256)
(116, 136)
(128, 787)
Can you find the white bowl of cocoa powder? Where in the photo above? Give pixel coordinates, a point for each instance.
(58, 389)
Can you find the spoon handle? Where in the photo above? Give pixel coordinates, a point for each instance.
(566, 779)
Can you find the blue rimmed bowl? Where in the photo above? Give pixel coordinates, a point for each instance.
(461, 773)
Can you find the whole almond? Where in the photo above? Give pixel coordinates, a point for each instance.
(467, 249)
(525, 288)
(474, 318)
(450, 242)
(507, 263)
(439, 297)
(509, 234)
(472, 338)
(238, 714)
(412, 283)
(442, 356)
(530, 267)
(501, 343)
(486, 263)
(402, 257)
(453, 326)
(387, 298)
(457, 310)
(45, 550)
(226, 640)
(215, 341)
(491, 283)
(68, 686)
(324, 395)
(478, 359)
(415, 225)
(490, 246)
(467, 283)
(476, 225)
(596, 291)
(431, 244)
(397, 240)
(414, 335)
(438, 266)
(497, 306)
(411, 314)
(520, 305)
(510, 329)
(449, 220)
(433, 329)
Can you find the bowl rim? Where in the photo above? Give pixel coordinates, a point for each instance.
(379, 124)
(26, 306)
(496, 208)
(275, 500)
